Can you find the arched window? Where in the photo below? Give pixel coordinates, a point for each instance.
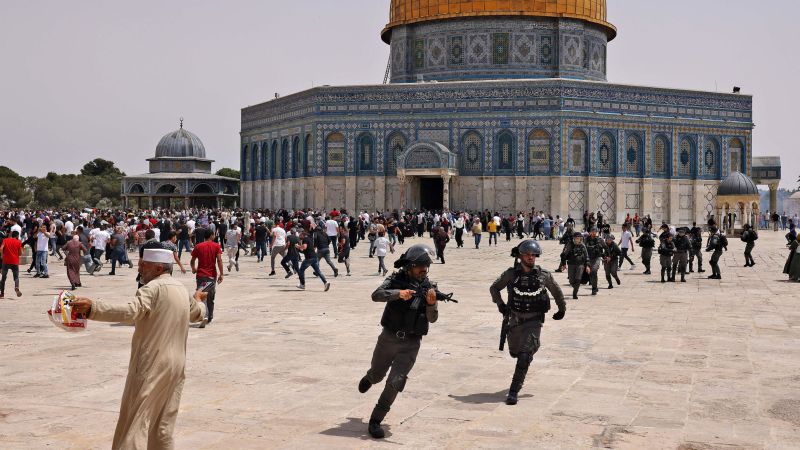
(366, 152)
(306, 154)
(396, 146)
(632, 149)
(275, 160)
(505, 151)
(285, 158)
(539, 151)
(577, 145)
(606, 152)
(264, 160)
(245, 159)
(295, 157)
(253, 162)
(711, 158)
(685, 158)
(334, 157)
(660, 156)
(472, 152)
(736, 153)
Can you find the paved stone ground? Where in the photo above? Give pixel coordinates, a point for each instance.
(700, 365)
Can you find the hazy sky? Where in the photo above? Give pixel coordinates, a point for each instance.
(84, 79)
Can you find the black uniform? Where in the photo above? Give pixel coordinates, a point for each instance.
(597, 251)
(577, 262)
(697, 249)
(716, 244)
(681, 257)
(404, 323)
(749, 237)
(528, 301)
(610, 266)
(665, 251)
(566, 241)
(646, 243)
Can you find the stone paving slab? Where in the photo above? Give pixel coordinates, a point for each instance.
(692, 366)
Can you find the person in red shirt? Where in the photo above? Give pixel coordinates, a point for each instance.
(207, 265)
(11, 248)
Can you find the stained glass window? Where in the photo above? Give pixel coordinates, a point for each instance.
(539, 151)
(285, 158)
(366, 148)
(471, 152)
(736, 155)
(685, 159)
(632, 155)
(710, 157)
(306, 154)
(275, 159)
(334, 161)
(578, 146)
(659, 155)
(505, 144)
(397, 143)
(605, 154)
(295, 156)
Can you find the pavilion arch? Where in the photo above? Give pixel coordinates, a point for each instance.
(136, 188)
(203, 188)
(168, 188)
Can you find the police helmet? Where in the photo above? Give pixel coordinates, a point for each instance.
(416, 255)
(527, 247)
(610, 237)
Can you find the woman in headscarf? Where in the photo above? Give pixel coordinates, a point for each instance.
(792, 267)
(73, 250)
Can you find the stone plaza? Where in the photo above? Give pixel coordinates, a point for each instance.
(701, 365)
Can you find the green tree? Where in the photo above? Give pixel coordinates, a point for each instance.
(14, 191)
(101, 167)
(227, 172)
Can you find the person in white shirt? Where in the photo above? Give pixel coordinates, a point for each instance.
(232, 237)
(625, 243)
(332, 229)
(278, 247)
(42, 241)
(382, 246)
(99, 237)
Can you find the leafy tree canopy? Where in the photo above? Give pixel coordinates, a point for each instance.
(230, 173)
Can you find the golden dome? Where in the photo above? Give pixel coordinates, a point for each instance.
(404, 12)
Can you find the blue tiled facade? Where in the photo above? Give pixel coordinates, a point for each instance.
(558, 144)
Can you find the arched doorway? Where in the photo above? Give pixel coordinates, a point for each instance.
(424, 171)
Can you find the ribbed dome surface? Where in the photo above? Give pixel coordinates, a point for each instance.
(404, 12)
(180, 144)
(737, 183)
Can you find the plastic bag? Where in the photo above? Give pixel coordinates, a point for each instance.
(62, 316)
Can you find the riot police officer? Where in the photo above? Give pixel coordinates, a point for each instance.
(411, 304)
(597, 251)
(646, 242)
(577, 260)
(681, 257)
(716, 243)
(527, 288)
(610, 264)
(566, 241)
(697, 248)
(749, 236)
(665, 250)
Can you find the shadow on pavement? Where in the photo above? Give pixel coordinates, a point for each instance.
(355, 427)
(496, 397)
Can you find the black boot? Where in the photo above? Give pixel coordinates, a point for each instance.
(662, 276)
(375, 429)
(511, 399)
(575, 293)
(683, 278)
(691, 267)
(364, 385)
(700, 268)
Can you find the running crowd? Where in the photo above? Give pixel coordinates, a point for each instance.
(304, 239)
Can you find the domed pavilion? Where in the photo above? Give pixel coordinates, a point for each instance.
(180, 176)
(502, 105)
(738, 199)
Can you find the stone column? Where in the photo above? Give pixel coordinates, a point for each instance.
(521, 193)
(773, 197)
(187, 202)
(149, 202)
(620, 199)
(446, 191)
(403, 180)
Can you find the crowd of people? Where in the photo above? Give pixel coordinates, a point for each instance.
(302, 239)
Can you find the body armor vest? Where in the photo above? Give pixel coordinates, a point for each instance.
(594, 246)
(407, 316)
(527, 294)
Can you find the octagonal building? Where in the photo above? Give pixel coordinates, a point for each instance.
(501, 105)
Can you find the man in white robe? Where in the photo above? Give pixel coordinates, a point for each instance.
(161, 313)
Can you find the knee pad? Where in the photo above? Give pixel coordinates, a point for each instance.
(398, 382)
